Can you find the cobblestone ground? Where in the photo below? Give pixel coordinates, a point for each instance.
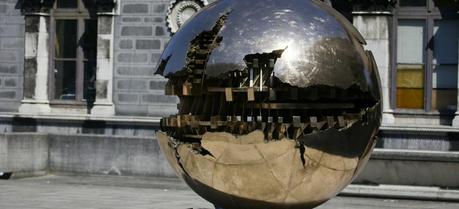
(63, 192)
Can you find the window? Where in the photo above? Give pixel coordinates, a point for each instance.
(74, 51)
(427, 55)
(444, 64)
(61, 77)
(410, 66)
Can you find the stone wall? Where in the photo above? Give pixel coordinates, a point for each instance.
(24, 154)
(92, 154)
(31, 154)
(11, 55)
(413, 168)
(420, 139)
(140, 36)
(122, 127)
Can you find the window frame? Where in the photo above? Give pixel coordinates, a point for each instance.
(80, 14)
(429, 14)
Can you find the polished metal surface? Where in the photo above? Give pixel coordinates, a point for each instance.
(313, 35)
(247, 173)
(279, 103)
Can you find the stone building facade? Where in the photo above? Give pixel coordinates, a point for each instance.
(140, 38)
(118, 94)
(11, 56)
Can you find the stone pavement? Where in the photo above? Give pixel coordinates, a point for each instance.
(75, 192)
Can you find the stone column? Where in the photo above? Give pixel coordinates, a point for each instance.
(456, 118)
(104, 76)
(36, 64)
(374, 27)
(106, 9)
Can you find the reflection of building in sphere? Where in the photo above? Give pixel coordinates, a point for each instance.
(279, 103)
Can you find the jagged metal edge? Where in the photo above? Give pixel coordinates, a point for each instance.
(172, 4)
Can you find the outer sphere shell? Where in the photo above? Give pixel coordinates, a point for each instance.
(320, 48)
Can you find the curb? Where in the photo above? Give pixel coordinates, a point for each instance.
(402, 192)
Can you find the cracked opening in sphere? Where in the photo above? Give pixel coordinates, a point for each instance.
(254, 98)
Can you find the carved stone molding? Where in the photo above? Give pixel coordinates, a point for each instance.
(372, 5)
(106, 6)
(35, 6)
(29, 7)
(181, 10)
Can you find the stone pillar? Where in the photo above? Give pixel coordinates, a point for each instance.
(374, 27)
(456, 118)
(36, 64)
(104, 77)
(106, 9)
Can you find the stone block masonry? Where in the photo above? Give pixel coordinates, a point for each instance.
(92, 154)
(32, 154)
(11, 56)
(24, 154)
(140, 36)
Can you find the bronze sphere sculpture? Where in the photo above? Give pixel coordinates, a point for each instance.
(279, 103)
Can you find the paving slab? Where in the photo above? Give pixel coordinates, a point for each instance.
(107, 192)
(402, 192)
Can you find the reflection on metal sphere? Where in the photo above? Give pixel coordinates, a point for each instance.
(279, 103)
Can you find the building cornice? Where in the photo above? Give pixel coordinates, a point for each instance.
(43, 7)
(155, 121)
(380, 13)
